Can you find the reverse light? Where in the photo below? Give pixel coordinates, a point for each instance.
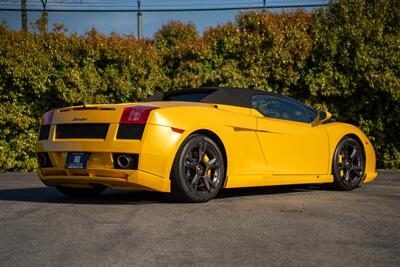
(136, 114)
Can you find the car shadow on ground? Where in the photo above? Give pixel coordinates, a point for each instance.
(109, 197)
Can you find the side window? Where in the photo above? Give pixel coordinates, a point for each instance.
(280, 108)
(312, 112)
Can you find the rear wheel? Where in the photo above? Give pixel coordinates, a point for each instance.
(348, 166)
(81, 192)
(198, 171)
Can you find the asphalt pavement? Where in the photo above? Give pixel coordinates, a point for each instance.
(268, 226)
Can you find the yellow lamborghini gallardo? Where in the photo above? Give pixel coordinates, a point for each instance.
(193, 142)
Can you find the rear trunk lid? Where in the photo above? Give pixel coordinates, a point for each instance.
(107, 113)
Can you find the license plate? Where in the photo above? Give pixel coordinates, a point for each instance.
(77, 160)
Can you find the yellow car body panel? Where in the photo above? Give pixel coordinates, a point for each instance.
(259, 151)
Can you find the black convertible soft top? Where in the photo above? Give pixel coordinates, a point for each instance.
(240, 97)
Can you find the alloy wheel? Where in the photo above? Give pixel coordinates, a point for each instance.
(349, 163)
(202, 168)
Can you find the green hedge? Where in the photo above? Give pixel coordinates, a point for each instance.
(345, 58)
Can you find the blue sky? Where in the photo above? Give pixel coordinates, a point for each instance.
(125, 22)
(122, 22)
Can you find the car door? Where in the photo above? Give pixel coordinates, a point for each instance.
(290, 144)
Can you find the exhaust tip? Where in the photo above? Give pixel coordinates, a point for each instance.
(125, 161)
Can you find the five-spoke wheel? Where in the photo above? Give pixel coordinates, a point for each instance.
(348, 164)
(198, 171)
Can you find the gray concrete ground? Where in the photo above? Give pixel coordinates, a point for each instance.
(278, 226)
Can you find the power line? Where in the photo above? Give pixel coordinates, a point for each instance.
(156, 5)
(167, 10)
(146, 6)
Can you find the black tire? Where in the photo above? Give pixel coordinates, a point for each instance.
(81, 192)
(198, 171)
(348, 166)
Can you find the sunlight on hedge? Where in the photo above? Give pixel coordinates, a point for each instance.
(344, 58)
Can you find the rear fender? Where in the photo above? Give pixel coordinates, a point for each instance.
(236, 130)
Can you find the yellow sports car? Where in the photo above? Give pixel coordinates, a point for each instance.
(193, 142)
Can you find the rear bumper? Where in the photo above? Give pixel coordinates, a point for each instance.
(156, 151)
(117, 179)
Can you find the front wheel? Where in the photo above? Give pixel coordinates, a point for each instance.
(198, 171)
(348, 166)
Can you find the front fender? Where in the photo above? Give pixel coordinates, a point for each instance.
(336, 131)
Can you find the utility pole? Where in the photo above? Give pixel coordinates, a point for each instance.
(45, 17)
(265, 3)
(139, 20)
(24, 16)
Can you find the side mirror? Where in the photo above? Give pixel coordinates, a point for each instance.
(321, 117)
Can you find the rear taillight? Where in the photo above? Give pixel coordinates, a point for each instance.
(136, 114)
(45, 123)
(47, 118)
